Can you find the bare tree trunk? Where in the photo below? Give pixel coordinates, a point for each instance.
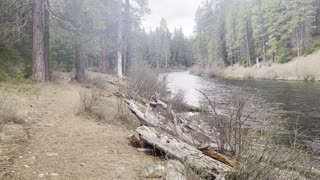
(264, 50)
(119, 71)
(248, 48)
(80, 65)
(298, 43)
(46, 39)
(38, 64)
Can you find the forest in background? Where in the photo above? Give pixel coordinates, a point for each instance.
(240, 31)
(39, 37)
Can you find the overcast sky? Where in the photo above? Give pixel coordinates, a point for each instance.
(176, 12)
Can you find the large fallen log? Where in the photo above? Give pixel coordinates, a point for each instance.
(189, 155)
(191, 134)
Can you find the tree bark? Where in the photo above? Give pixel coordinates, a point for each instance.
(38, 63)
(119, 53)
(183, 152)
(80, 65)
(248, 47)
(46, 39)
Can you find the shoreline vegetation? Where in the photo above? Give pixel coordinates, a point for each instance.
(304, 68)
(247, 135)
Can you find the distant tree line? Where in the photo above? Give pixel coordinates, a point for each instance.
(244, 31)
(41, 36)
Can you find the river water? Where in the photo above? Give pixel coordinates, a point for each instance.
(299, 101)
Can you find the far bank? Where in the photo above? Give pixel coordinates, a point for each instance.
(304, 68)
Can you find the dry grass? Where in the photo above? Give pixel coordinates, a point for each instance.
(211, 71)
(145, 81)
(300, 68)
(90, 99)
(8, 112)
(252, 133)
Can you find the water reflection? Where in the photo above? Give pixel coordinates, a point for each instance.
(299, 100)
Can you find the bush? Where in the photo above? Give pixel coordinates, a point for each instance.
(312, 48)
(90, 99)
(12, 64)
(8, 113)
(209, 71)
(146, 81)
(252, 132)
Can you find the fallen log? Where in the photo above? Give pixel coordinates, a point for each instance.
(182, 130)
(144, 118)
(220, 157)
(182, 151)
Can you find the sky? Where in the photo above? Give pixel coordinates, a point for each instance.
(176, 12)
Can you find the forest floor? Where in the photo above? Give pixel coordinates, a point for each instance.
(299, 69)
(58, 143)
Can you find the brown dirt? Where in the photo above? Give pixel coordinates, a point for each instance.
(63, 145)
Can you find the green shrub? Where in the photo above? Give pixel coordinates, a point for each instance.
(13, 65)
(312, 48)
(283, 55)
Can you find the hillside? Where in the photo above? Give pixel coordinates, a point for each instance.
(300, 68)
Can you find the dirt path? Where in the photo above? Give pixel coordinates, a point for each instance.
(66, 146)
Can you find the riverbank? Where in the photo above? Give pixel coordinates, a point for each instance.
(305, 68)
(56, 141)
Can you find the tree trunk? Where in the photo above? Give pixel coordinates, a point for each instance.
(46, 39)
(127, 30)
(80, 65)
(298, 43)
(264, 50)
(38, 64)
(120, 24)
(248, 47)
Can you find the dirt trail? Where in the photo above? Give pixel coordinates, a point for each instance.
(66, 146)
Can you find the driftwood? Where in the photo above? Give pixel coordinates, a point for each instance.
(220, 157)
(182, 140)
(190, 133)
(182, 151)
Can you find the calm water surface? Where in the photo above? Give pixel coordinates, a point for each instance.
(299, 100)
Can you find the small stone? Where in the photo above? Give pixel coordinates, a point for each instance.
(31, 160)
(20, 157)
(26, 166)
(48, 125)
(153, 172)
(54, 176)
(40, 176)
(52, 154)
(175, 165)
(82, 164)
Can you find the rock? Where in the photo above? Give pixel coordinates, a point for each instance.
(40, 176)
(175, 170)
(175, 165)
(20, 157)
(54, 176)
(48, 125)
(172, 175)
(156, 171)
(31, 160)
(26, 166)
(82, 164)
(52, 154)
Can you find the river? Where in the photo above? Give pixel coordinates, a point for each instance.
(299, 101)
